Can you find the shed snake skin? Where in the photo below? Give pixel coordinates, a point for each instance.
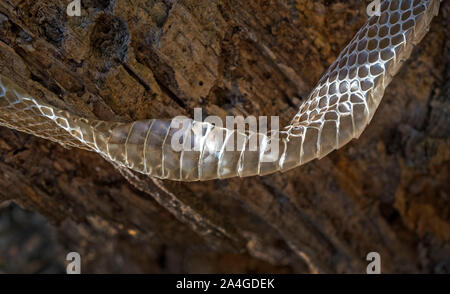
(337, 111)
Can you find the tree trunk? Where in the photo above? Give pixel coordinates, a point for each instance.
(386, 192)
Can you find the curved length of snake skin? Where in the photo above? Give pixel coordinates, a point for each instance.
(337, 110)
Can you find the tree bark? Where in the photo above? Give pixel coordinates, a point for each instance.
(120, 60)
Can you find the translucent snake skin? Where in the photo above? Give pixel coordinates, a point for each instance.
(337, 110)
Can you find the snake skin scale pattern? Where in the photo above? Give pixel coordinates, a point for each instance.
(337, 111)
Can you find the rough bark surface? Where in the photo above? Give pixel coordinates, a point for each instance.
(125, 60)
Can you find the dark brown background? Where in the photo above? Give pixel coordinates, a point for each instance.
(126, 60)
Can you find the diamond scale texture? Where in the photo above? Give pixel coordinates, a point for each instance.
(337, 111)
